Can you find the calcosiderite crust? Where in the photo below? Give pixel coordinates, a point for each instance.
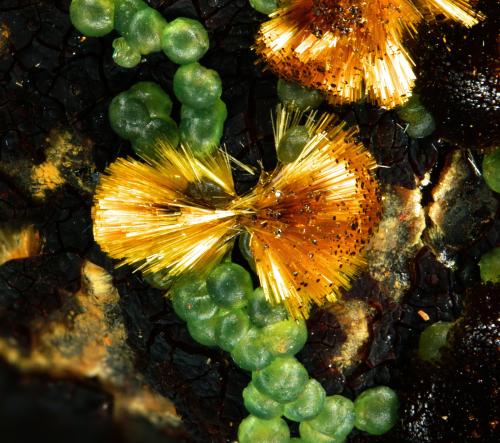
(350, 49)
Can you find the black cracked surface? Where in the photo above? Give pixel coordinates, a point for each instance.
(52, 78)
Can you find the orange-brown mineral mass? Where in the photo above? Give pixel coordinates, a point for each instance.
(350, 49)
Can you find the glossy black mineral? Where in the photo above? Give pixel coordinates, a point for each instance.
(457, 78)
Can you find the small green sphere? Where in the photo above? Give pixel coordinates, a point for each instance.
(432, 339)
(230, 285)
(286, 337)
(292, 143)
(125, 11)
(251, 352)
(262, 312)
(295, 95)
(259, 404)
(203, 331)
(128, 116)
(244, 245)
(157, 101)
(309, 403)
(423, 127)
(215, 113)
(376, 410)
(201, 129)
(124, 55)
(310, 435)
(264, 6)
(412, 111)
(491, 170)
(145, 31)
(283, 380)
(185, 41)
(335, 420)
(157, 130)
(256, 430)
(191, 301)
(197, 86)
(201, 135)
(93, 18)
(231, 328)
(489, 266)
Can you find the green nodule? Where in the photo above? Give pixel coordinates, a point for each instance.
(230, 285)
(423, 127)
(251, 352)
(262, 312)
(244, 245)
(309, 403)
(412, 111)
(124, 55)
(295, 95)
(197, 86)
(145, 31)
(125, 11)
(286, 337)
(491, 170)
(191, 301)
(292, 143)
(185, 41)
(203, 331)
(376, 410)
(489, 266)
(420, 121)
(264, 6)
(334, 422)
(201, 129)
(215, 113)
(432, 339)
(155, 132)
(128, 116)
(261, 405)
(257, 430)
(93, 18)
(283, 380)
(157, 101)
(231, 328)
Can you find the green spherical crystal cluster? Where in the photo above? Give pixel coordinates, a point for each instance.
(489, 266)
(491, 170)
(224, 310)
(420, 121)
(265, 6)
(142, 116)
(432, 340)
(143, 30)
(292, 94)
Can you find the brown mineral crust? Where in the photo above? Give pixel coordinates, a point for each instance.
(463, 206)
(18, 242)
(85, 338)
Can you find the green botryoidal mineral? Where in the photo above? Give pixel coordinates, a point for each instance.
(432, 340)
(376, 410)
(185, 41)
(292, 143)
(489, 266)
(293, 94)
(420, 121)
(491, 170)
